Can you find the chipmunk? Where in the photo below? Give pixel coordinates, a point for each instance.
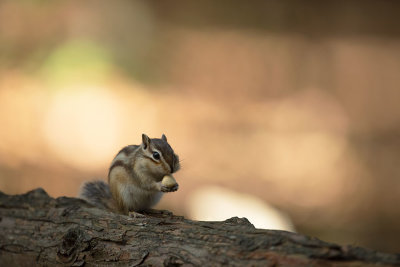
(135, 178)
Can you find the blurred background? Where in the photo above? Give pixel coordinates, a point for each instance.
(286, 112)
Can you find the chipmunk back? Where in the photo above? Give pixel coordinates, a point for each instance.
(134, 178)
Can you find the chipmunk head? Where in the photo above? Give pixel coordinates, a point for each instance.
(162, 159)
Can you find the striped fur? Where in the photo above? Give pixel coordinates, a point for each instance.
(134, 177)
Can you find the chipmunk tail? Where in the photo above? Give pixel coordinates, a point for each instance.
(98, 194)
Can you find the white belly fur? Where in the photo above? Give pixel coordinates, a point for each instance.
(137, 199)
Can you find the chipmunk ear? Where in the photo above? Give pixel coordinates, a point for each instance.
(146, 141)
(163, 137)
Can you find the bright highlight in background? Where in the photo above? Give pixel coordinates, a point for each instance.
(212, 203)
(82, 126)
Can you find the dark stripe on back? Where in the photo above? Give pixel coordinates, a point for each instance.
(128, 149)
(119, 163)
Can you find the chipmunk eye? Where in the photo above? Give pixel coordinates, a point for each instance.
(156, 155)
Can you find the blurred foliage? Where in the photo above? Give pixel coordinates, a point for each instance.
(76, 61)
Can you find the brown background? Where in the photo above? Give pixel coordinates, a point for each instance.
(293, 102)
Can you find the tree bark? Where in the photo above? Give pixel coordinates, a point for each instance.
(36, 229)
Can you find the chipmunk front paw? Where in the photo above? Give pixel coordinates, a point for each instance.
(167, 189)
(169, 184)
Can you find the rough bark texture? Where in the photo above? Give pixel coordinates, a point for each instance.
(36, 229)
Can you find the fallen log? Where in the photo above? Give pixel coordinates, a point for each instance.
(36, 229)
